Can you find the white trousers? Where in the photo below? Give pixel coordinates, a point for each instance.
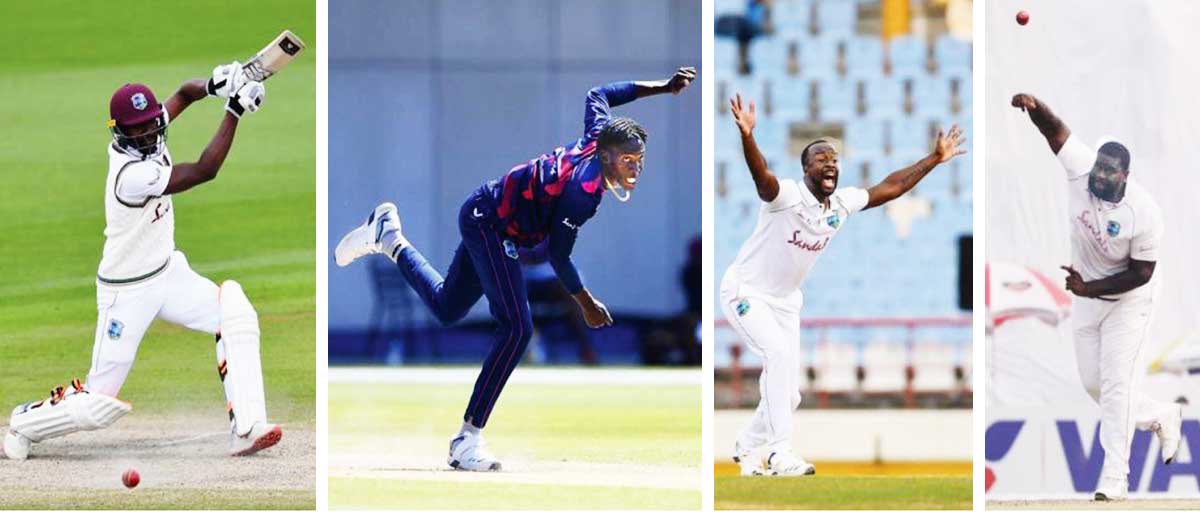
(178, 295)
(1109, 344)
(771, 329)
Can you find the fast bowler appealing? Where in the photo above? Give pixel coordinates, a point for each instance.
(142, 276)
(1116, 229)
(760, 292)
(543, 201)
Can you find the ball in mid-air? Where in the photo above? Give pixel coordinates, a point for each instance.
(131, 478)
(1023, 17)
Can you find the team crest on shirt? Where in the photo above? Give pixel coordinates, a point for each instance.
(834, 220)
(510, 249)
(139, 101)
(1114, 228)
(114, 329)
(743, 307)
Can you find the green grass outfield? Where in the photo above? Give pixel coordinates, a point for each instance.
(255, 223)
(388, 443)
(913, 486)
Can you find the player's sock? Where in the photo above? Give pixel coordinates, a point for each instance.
(392, 242)
(468, 428)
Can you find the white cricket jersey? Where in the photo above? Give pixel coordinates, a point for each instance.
(139, 220)
(1104, 235)
(792, 232)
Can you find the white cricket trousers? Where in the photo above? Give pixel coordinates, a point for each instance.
(178, 295)
(1109, 341)
(771, 329)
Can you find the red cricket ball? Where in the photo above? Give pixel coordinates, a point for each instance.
(131, 478)
(1023, 17)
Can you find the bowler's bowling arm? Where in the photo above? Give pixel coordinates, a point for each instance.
(1055, 131)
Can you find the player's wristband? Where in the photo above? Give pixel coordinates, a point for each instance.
(233, 106)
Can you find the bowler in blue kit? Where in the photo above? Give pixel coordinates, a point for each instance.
(543, 201)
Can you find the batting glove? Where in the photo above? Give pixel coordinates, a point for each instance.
(225, 79)
(247, 99)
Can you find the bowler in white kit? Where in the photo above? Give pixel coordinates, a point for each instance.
(142, 276)
(1116, 230)
(760, 292)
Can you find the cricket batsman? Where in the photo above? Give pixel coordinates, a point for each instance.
(761, 291)
(543, 201)
(142, 276)
(1116, 230)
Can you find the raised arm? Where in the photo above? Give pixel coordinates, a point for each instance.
(1051, 126)
(764, 180)
(674, 85)
(226, 79)
(601, 99)
(246, 100)
(189, 92)
(187, 175)
(899, 182)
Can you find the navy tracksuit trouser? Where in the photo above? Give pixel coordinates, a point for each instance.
(485, 263)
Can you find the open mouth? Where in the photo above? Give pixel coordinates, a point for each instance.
(829, 180)
(631, 180)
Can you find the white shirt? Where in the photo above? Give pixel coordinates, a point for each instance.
(1104, 235)
(792, 232)
(139, 221)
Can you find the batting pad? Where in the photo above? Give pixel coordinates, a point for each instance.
(66, 412)
(242, 363)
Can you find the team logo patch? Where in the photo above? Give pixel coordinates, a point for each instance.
(834, 221)
(139, 101)
(510, 249)
(743, 307)
(1114, 228)
(114, 329)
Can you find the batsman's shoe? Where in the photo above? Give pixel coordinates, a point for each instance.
(469, 452)
(16, 446)
(1169, 429)
(750, 461)
(788, 464)
(1111, 489)
(366, 239)
(261, 437)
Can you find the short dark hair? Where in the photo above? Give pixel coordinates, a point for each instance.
(619, 131)
(1117, 150)
(804, 152)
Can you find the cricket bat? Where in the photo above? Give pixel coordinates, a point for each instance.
(274, 57)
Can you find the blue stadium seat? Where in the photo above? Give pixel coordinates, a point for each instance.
(768, 55)
(931, 96)
(885, 97)
(910, 136)
(864, 57)
(836, 17)
(818, 57)
(729, 7)
(791, 97)
(864, 139)
(952, 53)
(907, 54)
(837, 97)
(791, 16)
(725, 55)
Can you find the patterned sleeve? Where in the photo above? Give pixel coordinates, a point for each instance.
(600, 100)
